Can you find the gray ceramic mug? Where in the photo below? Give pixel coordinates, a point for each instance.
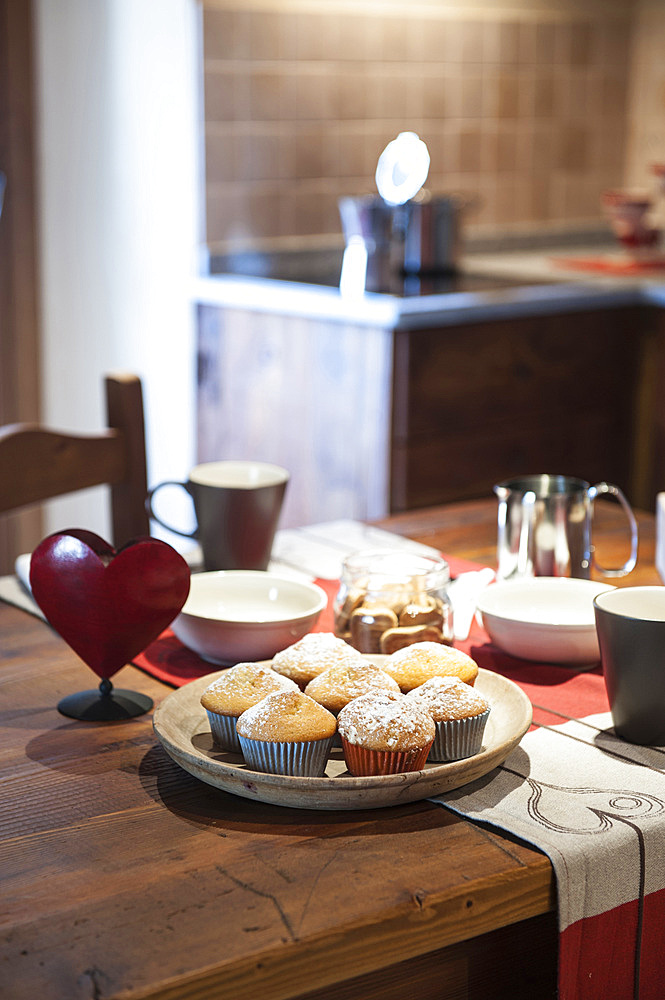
(630, 622)
(237, 506)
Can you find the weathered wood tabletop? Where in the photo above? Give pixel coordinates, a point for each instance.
(125, 877)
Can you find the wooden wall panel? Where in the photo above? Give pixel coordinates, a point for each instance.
(19, 333)
(308, 394)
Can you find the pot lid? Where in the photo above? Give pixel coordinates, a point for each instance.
(402, 168)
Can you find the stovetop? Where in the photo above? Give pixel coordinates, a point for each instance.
(324, 268)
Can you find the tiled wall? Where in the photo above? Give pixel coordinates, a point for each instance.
(522, 108)
(646, 129)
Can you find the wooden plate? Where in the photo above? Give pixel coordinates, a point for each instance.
(182, 727)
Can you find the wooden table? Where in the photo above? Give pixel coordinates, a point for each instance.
(125, 877)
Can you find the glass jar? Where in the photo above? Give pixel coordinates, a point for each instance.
(390, 599)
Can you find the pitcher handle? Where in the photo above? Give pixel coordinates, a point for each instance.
(629, 565)
(151, 512)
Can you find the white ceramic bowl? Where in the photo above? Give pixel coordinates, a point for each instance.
(246, 615)
(546, 619)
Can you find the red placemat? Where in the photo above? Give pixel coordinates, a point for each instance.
(171, 662)
(554, 691)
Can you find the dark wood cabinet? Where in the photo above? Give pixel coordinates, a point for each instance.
(477, 403)
(372, 420)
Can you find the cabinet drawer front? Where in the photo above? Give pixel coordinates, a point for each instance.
(463, 377)
(456, 465)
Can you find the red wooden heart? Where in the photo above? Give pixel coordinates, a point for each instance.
(107, 605)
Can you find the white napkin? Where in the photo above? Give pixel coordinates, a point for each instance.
(16, 589)
(464, 593)
(22, 570)
(320, 549)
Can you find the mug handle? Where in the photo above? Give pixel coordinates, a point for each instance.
(151, 513)
(614, 491)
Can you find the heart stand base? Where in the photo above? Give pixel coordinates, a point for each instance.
(107, 704)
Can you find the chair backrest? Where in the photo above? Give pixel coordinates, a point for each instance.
(38, 463)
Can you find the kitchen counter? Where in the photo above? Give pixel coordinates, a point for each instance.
(640, 287)
(490, 286)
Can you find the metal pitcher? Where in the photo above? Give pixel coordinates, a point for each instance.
(544, 527)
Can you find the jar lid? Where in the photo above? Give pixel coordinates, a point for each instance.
(380, 568)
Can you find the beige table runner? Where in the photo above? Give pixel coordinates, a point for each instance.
(596, 806)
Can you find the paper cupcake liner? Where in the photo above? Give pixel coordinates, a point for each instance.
(307, 759)
(361, 761)
(459, 738)
(223, 729)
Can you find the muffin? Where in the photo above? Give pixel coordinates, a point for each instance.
(236, 690)
(341, 683)
(287, 733)
(460, 714)
(385, 733)
(313, 654)
(413, 665)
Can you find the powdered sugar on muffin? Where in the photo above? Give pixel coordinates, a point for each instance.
(241, 686)
(449, 698)
(460, 714)
(234, 691)
(313, 654)
(287, 716)
(384, 720)
(287, 733)
(341, 683)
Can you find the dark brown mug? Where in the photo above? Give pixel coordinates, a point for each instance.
(630, 622)
(237, 507)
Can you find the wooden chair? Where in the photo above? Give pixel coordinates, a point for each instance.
(38, 463)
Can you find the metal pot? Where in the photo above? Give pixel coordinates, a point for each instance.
(422, 236)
